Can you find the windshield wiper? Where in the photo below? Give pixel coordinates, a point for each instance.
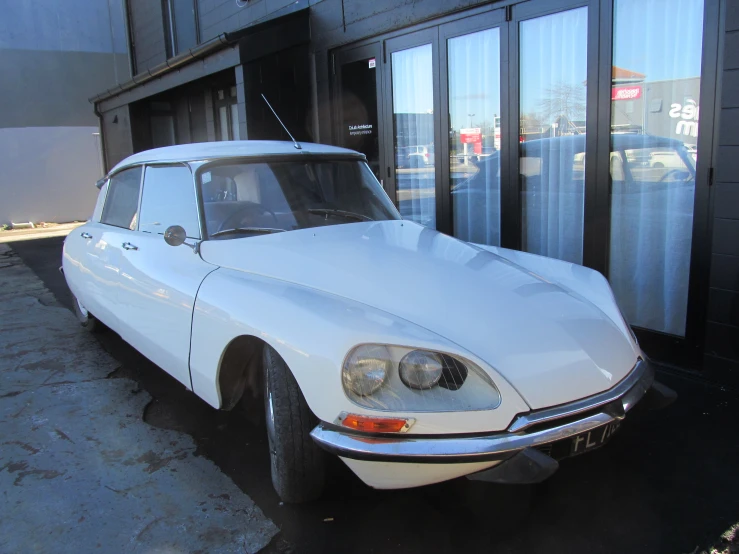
(260, 230)
(340, 213)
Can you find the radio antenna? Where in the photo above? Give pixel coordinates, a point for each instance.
(295, 142)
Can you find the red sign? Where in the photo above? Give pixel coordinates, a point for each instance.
(472, 135)
(625, 93)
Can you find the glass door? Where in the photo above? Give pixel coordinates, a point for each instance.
(358, 90)
(412, 85)
(552, 119)
(473, 154)
(655, 104)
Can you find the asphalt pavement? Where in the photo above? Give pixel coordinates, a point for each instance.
(666, 482)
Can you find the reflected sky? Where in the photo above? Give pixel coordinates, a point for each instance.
(642, 26)
(655, 27)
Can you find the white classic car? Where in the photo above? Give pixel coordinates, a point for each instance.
(265, 269)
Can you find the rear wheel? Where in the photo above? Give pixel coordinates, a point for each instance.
(298, 465)
(86, 319)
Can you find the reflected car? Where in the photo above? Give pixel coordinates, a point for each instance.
(631, 155)
(258, 274)
(669, 159)
(414, 156)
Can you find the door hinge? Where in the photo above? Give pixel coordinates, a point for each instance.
(509, 12)
(710, 176)
(384, 51)
(333, 64)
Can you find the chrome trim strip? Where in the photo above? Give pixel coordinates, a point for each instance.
(572, 408)
(443, 450)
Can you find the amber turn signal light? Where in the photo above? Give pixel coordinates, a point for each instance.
(375, 424)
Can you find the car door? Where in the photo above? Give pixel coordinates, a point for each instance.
(92, 251)
(157, 282)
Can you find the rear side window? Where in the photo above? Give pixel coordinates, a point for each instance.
(122, 200)
(98, 211)
(169, 199)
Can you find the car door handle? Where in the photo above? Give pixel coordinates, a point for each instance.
(86, 235)
(129, 246)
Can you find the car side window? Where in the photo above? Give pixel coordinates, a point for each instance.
(98, 211)
(169, 199)
(122, 201)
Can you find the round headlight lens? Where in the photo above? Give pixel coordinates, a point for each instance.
(420, 369)
(366, 369)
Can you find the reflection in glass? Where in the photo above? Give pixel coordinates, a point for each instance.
(552, 98)
(655, 101)
(235, 121)
(413, 120)
(223, 122)
(474, 135)
(162, 130)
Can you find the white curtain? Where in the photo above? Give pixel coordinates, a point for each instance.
(652, 209)
(474, 101)
(553, 91)
(413, 109)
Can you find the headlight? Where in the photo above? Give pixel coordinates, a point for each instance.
(420, 369)
(396, 378)
(366, 369)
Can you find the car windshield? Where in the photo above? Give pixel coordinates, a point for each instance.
(252, 199)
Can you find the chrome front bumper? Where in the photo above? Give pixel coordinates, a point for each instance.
(527, 430)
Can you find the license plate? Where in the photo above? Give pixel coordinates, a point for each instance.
(594, 438)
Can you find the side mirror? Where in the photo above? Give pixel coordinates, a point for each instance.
(175, 235)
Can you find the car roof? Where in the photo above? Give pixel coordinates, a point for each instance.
(627, 141)
(228, 149)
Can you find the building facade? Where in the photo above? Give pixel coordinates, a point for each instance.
(601, 132)
(53, 56)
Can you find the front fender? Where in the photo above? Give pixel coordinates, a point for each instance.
(313, 331)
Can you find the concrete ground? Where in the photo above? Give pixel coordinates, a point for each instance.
(80, 471)
(666, 483)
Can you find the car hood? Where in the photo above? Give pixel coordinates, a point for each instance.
(551, 344)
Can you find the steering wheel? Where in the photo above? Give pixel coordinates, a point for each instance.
(675, 172)
(236, 219)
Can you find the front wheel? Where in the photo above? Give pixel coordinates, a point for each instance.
(86, 319)
(298, 465)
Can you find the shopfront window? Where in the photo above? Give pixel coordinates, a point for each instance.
(227, 120)
(181, 30)
(413, 119)
(474, 135)
(655, 103)
(553, 64)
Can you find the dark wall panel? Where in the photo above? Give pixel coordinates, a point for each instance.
(729, 124)
(722, 332)
(724, 307)
(147, 33)
(117, 132)
(731, 83)
(731, 50)
(725, 272)
(725, 234)
(727, 169)
(727, 201)
(284, 78)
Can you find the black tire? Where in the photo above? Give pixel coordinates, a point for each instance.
(658, 165)
(86, 319)
(298, 465)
